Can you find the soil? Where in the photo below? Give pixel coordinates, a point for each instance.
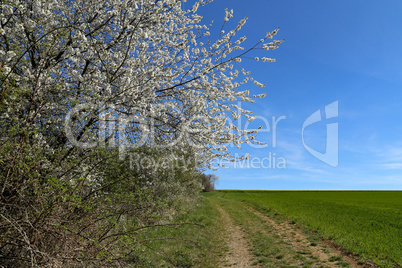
(238, 254)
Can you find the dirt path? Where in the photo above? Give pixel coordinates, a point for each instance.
(239, 254)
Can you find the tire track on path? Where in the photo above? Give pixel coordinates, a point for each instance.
(322, 250)
(239, 254)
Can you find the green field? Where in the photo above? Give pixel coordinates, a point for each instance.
(367, 223)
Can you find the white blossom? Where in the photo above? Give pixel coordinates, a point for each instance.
(141, 58)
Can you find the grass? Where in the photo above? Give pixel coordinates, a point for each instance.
(186, 245)
(367, 223)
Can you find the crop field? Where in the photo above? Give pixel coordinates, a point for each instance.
(366, 223)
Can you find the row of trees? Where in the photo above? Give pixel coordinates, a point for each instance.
(109, 111)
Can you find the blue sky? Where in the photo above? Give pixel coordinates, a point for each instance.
(345, 51)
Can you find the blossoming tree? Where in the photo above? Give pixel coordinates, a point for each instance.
(78, 78)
